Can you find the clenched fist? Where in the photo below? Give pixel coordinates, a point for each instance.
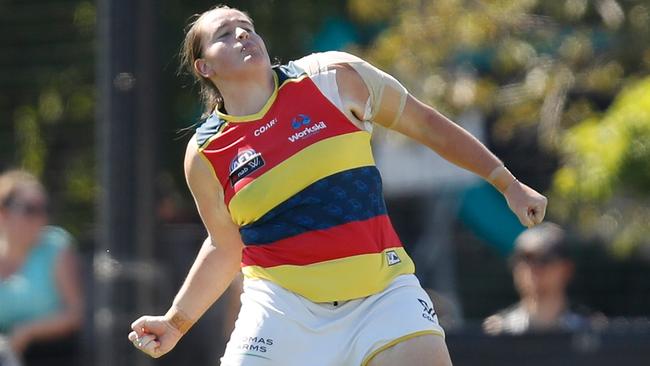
(154, 335)
(526, 203)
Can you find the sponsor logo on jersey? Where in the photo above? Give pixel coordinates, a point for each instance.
(265, 127)
(308, 127)
(300, 120)
(427, 313)
(245, 163)
(392, 257)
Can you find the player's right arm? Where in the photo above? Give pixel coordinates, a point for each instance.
(373, 95)
(216, 265)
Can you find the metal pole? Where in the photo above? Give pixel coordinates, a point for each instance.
(147, 137)
(126, 215)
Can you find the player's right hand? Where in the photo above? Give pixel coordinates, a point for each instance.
(526, 203)
(154, 335)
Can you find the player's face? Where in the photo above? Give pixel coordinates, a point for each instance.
(231, 48)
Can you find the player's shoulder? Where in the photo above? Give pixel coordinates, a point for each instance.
(206, 129)
(319, 62)
(192, 151)
(197, 168)
(331, 58)
(193, 161)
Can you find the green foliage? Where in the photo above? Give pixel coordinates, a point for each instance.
(31, 148)
(47, 83)
(606, 176)
(609, 153)
(535, 65)
(519, 60)
(550, 67)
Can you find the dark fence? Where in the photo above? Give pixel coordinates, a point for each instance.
(621, 341)
(625, 346)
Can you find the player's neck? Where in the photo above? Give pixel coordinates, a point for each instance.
(247, 96)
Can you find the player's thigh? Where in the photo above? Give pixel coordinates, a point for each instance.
(424, 350)
(269, 330)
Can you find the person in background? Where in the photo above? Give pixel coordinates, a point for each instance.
(542, 271)
(40, 294)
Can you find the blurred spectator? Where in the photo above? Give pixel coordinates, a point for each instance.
(542, 270)
(40, 296)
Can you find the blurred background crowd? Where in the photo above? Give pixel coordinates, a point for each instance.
(96, 224)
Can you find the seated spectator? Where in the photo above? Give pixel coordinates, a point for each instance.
(542, 270)
(40, 296)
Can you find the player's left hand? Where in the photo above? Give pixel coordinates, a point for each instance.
(526, 203)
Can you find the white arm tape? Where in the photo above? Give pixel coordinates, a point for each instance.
(387, 96)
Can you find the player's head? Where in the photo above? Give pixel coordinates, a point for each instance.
(221, 45)
(23, 206)
(541, 265)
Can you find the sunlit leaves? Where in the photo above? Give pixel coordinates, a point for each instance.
(84, 17)
(552, 66)
(639, 17)
(607, 170)
(50, 105)
(31, 147)
(49, 99)
(371, 11)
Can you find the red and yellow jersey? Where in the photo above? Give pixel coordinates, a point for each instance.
(300, 181)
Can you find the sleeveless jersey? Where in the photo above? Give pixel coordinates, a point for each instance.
(300, 181)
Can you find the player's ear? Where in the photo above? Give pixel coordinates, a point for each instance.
(203, 68)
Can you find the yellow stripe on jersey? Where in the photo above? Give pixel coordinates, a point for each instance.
(339, 279)
(299, 171)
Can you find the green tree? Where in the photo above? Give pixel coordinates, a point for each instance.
(605, 180)
(47, 101)
(541, 66)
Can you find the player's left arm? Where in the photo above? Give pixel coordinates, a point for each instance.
(377, 96)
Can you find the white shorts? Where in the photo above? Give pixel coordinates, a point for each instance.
(278, 327)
